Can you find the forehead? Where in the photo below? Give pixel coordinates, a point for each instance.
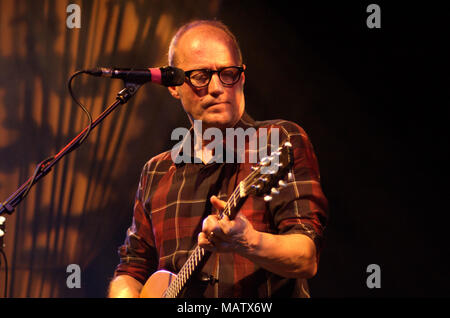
(206, 47)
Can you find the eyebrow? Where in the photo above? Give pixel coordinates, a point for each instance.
(208, 68)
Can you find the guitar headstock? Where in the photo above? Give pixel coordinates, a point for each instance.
(267, 177)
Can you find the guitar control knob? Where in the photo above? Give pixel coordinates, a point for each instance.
(267, 198)
(274, 191)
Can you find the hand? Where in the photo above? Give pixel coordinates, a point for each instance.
(225, 235)
(291, 255)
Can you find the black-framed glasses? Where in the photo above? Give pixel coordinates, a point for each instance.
(228, 76)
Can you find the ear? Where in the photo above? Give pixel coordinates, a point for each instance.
(174, 91)
(243, 74)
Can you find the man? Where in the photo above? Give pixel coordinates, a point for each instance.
(270, 248)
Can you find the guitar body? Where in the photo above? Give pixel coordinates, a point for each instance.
(157, 284)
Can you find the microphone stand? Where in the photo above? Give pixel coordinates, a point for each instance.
(122, 97)
(9, 205)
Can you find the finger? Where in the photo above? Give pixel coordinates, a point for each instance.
(210, 224)
(236, 227)
(217, 203)
(204, 242)
(225, 225)
(214, 243)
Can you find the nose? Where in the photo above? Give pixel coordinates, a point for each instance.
(215, 85)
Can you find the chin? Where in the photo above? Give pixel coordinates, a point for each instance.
(220, 121)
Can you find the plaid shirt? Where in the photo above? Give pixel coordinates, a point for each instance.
(173, 199)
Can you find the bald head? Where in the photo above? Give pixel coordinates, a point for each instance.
(197, 31)
(208, 45)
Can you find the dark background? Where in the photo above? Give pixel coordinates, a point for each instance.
(372, 102)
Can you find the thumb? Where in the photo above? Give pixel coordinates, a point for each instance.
(217, 203)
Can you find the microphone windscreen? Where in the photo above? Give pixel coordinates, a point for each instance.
(172, 76)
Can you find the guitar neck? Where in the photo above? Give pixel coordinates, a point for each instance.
(197, 259)
(199, 255)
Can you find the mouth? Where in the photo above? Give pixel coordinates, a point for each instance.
(211, 104)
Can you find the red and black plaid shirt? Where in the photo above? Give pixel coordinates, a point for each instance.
(173, 199)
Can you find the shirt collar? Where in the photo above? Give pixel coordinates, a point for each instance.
(246, 121)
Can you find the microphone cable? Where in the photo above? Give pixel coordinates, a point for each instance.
(69, 86)
(43, 163)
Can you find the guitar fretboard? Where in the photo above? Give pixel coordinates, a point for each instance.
(185, 273)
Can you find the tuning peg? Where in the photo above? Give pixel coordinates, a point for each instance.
(274, 191)
(265, 161)
(267, 198)
(290, 176)
(288, 144)
(257, 186)
(274, 154)
(254, 168)
(281, 183)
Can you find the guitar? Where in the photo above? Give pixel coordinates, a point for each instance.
(265, 179)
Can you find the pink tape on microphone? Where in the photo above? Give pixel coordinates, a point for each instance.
(156, 75)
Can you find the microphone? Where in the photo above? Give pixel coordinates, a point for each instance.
(167, 76)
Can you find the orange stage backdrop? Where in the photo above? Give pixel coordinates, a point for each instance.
(71, 216)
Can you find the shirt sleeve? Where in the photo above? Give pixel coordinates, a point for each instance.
(138, 256)
(300, 207)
